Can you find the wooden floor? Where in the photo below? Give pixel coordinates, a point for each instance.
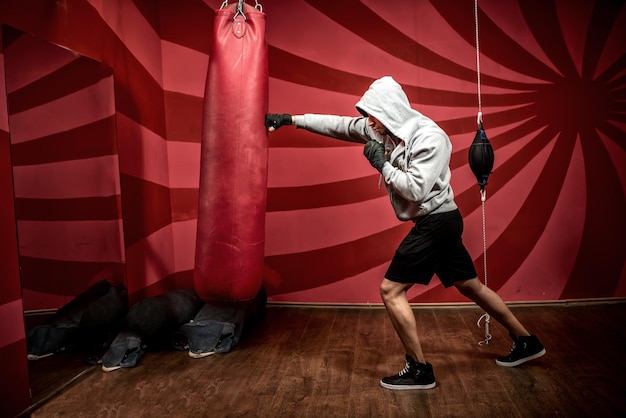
(326, 362)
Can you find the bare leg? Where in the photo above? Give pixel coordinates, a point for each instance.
(493, 304)
(402, 317)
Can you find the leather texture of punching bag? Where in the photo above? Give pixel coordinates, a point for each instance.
(234, 155)
(481, 158)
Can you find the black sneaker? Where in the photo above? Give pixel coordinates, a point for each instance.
(524, 349)
(414, 376)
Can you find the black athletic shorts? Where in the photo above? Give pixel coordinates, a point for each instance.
(433, 246)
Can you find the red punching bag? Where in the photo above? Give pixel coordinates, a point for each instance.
(234, 153)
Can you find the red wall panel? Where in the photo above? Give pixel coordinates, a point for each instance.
(14, 393)
(540, 73)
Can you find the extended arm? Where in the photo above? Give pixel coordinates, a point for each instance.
(345, 128)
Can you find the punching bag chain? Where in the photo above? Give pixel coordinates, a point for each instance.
(257, 6)
(240, 10)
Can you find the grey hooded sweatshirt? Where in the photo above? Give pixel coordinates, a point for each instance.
(417, 173)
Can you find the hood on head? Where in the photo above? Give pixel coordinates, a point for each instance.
(386, 101)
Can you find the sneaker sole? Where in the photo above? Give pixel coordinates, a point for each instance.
(38, 357)
(407, 387)
(521, 361)
(110, 369)
(200, 355)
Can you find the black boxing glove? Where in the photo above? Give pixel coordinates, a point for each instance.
(375, 153)
(275, 120)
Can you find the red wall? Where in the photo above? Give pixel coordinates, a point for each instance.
(61, 114)
(551, 109)
(552, 94)
(14, 392)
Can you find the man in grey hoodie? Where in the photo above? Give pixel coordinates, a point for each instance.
(412, 153)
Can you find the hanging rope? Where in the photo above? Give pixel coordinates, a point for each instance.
(479, 119)
(483, 193)
(486, 316)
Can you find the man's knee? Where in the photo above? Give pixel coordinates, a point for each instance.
(390, 289)
(384, 289)
(469, 288)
